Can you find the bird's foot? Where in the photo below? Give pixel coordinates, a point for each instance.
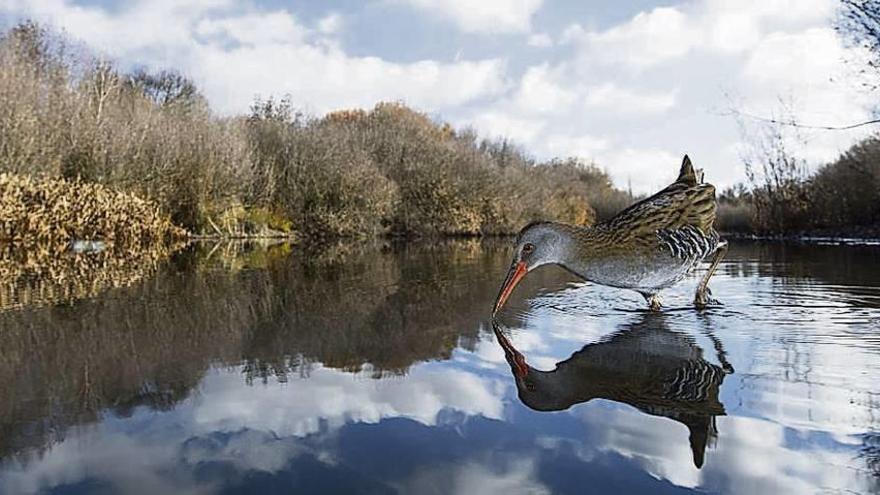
(655, 302)
(704, 298)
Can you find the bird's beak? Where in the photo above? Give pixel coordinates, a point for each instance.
(514, 357)
(517, 271)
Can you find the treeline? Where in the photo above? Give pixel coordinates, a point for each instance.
(391, 170)
(841, 198)
(65, 114)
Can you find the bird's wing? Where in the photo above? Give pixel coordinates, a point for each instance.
(687, 202)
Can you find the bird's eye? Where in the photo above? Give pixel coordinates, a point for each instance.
(528, 248)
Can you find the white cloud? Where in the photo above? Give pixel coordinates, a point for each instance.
(330, 24)
(236, 54)
(486, 16)
(627, 101)
(648, 39)
(540, 40)
(653, 87)
(664, 34)
(344, 81)
(805, 70)
(790, 13)
(646, 169)
(502, 124)
(255, 29)
(541, 91)
(802, 58)
(582, 145)
(732, 32)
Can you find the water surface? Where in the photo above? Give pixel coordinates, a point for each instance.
(375, 369)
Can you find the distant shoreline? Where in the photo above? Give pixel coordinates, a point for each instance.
(93, 245)
(851, 238)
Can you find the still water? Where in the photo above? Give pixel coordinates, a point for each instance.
(375, 369)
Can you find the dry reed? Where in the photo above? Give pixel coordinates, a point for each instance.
(52, 210)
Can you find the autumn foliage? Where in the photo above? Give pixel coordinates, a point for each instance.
(389, 170)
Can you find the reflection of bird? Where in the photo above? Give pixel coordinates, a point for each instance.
(647, 247)
(647, 366)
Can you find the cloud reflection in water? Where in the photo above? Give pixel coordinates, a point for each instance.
(246, 393)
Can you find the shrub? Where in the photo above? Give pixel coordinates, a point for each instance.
(59, 210)
(82, 119)
(388, 170)
(847, 191)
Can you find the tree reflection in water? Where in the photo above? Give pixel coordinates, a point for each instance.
(273, 311)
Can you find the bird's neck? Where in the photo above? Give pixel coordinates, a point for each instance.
(579, 248)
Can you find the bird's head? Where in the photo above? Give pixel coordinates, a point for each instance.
(537, 244)
(539, 390)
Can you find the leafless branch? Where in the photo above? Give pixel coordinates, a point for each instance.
(793, 123)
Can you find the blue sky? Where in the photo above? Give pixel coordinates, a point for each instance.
(629, 84)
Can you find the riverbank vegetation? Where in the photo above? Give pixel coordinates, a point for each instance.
(65, 114)
(781, 197)
(841, 198)
(45, 210)
(89, 150)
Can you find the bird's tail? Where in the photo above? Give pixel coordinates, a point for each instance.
(688, 174)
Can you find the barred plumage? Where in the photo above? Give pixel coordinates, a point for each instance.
(684, 203)
(693, 381)
(688, 242)
(647, 247)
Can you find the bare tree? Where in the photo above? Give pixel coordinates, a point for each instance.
(167, 88)
(859, 24)
(103, 84)
(777, 177)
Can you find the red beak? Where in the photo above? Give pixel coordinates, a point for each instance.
(516, 273)
(514, 357)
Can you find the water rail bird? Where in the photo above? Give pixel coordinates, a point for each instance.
(647, 247)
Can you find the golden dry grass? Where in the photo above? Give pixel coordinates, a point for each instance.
(57, 210)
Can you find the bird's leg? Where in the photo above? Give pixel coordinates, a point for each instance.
(719, 351)
(655, 302)
(702, 298)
